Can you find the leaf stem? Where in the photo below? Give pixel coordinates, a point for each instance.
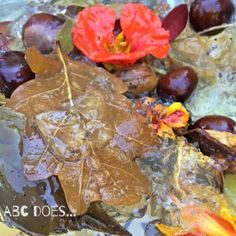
(66, 76)
(207, 31)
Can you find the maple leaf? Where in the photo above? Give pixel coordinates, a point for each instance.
(82, 129)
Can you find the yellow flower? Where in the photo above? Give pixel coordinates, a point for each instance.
(163, 119)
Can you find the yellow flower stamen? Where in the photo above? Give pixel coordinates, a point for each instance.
(120, 45)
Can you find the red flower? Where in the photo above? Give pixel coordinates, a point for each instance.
(141, 34)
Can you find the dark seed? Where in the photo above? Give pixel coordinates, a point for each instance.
(179, 83)
(41, 31)
(14, 71)
(205, 14)
(215, 122)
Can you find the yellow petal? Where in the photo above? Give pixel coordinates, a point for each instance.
(167, 230)
(176, 116)
(199, 219)
(227, 214)
(165, 131)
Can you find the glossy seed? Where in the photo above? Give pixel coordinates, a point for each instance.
(179, 83)
(14, 71)
(216, 122)
(205, 14)
(41, 31)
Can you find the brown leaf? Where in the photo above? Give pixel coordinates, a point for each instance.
(220, 145)
(176, 20)
(81, 128)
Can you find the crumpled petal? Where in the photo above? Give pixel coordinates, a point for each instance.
(142, 28)
(94, 31)
(176, 115)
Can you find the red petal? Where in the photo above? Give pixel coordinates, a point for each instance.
(142, 28)
(93, 29)
(176, 21)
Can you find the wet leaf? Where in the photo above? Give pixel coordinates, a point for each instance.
(176, 21)
(15, 189)
(64, 36)
(219, 145)
(181, 175)
(81, 128)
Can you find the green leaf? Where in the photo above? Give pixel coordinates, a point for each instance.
(80, 3)
(64, 35)
(230, 190)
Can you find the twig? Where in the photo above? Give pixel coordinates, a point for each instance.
(207, 30)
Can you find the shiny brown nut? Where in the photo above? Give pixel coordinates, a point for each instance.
(179, 83)
(205, 14)
(14, 71)
(41, 31)
(216, 122)
(140, 78)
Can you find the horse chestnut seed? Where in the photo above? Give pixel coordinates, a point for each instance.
(179, 83)
(216, 122)
(41, 31)
(14, 71)
(205, 14)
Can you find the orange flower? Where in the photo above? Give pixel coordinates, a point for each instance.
(141, 34)
(161, 118)
(202, 222)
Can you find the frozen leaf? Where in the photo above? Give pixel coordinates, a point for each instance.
(181, 175)
(176, 21)
(64, 35)
(81, 128)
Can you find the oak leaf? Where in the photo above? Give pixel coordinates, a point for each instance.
(82, 129)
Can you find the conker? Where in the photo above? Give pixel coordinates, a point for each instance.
(41, 31)
(216, 122)
(179, 83)
(205, 14)
(14, 71)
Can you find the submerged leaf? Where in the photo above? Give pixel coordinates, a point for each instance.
(80, 128)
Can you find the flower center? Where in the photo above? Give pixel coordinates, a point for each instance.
(120, 45)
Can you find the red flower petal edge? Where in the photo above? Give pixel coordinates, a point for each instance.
(93, 34)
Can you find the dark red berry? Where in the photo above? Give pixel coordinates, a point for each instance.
(215, 122)
(14, 71)
(41, 31)
(179, 83)
(208, 13)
